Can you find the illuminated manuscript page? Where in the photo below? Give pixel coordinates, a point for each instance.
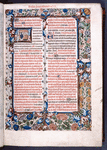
(53, 75)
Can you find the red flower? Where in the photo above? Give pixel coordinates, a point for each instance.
(52, 126)
(62, 116)
(74, 126)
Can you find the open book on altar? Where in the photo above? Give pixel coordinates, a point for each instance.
(51, 74)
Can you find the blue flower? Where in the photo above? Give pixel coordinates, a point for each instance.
(47, 121)
(40, 121)
(27, 127)
(76, 118)
(50, 36)
(85, 75)
(10, 12)
(65, 10)
(30, 116)
(85, 112)
(80, 64)
(79, 124)
(8, 123)
(10, 66)
(15, 118)
(15, 127)
(45, 14)
(9, 28)
(88, 64)
(9, 114)
(11, 39)
(20, 10)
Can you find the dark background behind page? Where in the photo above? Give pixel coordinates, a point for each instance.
(104, 24)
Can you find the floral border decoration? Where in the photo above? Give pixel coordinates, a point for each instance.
(45, 120)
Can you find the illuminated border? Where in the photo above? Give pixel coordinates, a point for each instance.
(80, 120)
